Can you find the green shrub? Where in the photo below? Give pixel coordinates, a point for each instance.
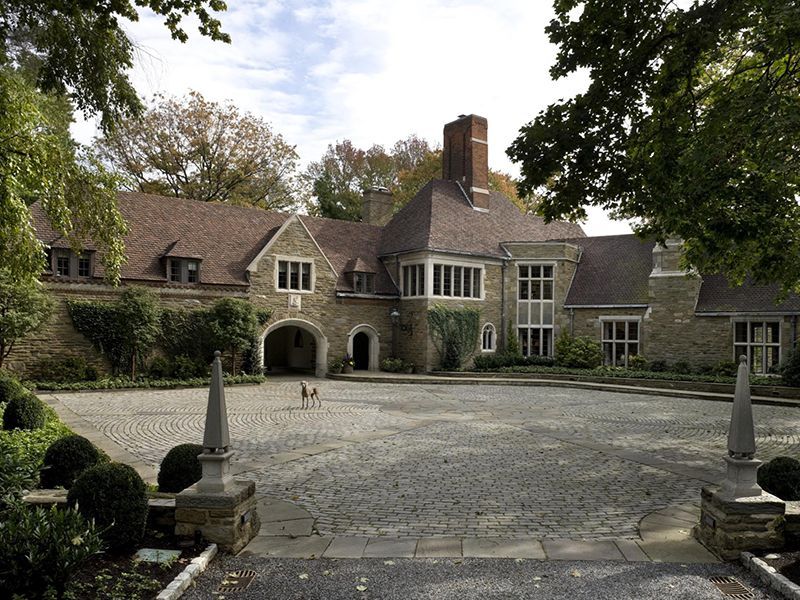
(393, 365)
(66, 458)
(659, 366)
(25, 411)
(114, 496)
(682, 367)
(69, 368)
(637, 362)
(40, 550)
(335, 365)
(17, 475)
(159, 368)
(493, 362)
(781, 477)
(180, 468)
(790, 369)
(578, 352)
(10, 388)
(454, 332)
(184, 367)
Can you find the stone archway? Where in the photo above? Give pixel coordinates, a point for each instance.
(374, 344)
(297, 332)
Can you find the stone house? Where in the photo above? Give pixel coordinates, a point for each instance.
(364, 289)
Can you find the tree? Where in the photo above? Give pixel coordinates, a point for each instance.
(233, 323)
(24, 309)
(689, 125)
(51, 50)
(137, 314)
(195, 148)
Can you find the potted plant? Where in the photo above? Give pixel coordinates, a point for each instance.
(335, 366)
(347, 364)
(408, 367)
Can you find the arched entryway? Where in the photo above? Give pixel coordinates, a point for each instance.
(295, 345)
(363, 344)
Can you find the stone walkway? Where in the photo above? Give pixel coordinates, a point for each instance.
(465, 462)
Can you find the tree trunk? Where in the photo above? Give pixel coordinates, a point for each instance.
(133, 364)
(233, 361)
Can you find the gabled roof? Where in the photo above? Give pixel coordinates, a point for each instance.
(440, 217)
(716, 295)
(613, 270)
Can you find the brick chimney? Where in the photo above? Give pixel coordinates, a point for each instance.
(465, 157)
(377, 206)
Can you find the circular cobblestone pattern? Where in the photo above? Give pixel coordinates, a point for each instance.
(460, 460)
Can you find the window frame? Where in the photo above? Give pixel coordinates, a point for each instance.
(73, 263)
(540, 332)
(763, 345)
(180, 266)
(368, 280)
(492, 331)
(305, 269)
(412, 280)
(626, 341)
(447, 275)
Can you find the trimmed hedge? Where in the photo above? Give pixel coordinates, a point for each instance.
(117, 383)
(180, 468)
(781, 477)
(491, 362)
(25, 411)
(10, 388)
(114, 496)
(66, 458)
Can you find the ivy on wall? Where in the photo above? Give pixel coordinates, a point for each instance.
(454, 332)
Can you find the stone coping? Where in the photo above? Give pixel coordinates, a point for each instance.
(770, 577)
(185, 578)
(650, 387)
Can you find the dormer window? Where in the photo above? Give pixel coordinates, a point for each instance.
(183, 270)
(364, 283)
(66, 263)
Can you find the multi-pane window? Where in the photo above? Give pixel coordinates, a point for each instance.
(84, 266)
(67, 263)
(620, 341)
(535, 308)
(294, 275)
(488, 338)
(456, 281)
(414, 280)
(364, 283)
(181, 270)
(760, 341)
(62, 265)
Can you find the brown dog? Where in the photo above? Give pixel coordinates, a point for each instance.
(308, 394)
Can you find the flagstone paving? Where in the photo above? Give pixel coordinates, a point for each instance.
(451, 461)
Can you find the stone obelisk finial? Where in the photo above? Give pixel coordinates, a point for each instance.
(742, 436)
(216, 437)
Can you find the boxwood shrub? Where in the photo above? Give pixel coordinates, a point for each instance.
(180, 468)
(66, 458)
(10, 388)
(114, 496)
(24, 411)
(781, 477)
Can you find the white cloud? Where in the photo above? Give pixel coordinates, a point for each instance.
(367, 70)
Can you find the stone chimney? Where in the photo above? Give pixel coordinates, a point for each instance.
(465, 158)
(377, 206)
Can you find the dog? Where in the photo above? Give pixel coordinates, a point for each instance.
(308, 395)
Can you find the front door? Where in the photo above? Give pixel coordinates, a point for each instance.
(361, 351)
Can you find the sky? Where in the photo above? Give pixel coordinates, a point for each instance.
(372, 71)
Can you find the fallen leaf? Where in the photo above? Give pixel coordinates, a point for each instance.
(303, 576)
(361, 588)
(388, 562)
(537, 578)
(519, 560)
(326, 573)
(363, 579)
(576, 573)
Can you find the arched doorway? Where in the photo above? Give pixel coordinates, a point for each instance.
(295, 345)
(361, 351)
(363, 344)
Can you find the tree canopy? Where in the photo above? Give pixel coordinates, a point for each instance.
(690, 126)
(24, 308)
(55, 54)
(194, 148)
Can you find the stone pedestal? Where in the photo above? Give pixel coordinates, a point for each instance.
(227, 518)
(730, 525)
(740, 480)
(216, 472)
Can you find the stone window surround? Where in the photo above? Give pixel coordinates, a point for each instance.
(184, 270)
(279, 257)
(367, 279)
(418, 266)
(540, 326)
(429, 261)
(603, 319)
(56, 253)
(490, 329)
(755, 318)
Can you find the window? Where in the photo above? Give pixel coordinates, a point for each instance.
(69, 264)
(294, 275)
(535, 308)
(456, 281)
(413, 280)
(760, 342)
(181, 270)
(364, 283)
(488, 338)
(620, 340)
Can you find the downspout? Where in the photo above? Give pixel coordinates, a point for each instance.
(503, 269)
(794, 331)
(571, 322)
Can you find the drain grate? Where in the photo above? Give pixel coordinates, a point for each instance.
(236, 581)
(732, 587)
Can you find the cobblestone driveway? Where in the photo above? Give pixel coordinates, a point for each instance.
(460, 460)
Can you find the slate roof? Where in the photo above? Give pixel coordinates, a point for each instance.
(439, 217)
(716, 295)
(613, 269)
